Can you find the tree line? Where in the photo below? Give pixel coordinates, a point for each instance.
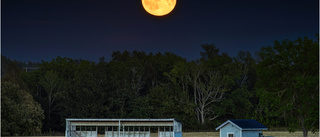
(279, 89)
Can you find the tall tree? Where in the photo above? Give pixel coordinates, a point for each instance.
(20, 114)
(47, 84)
(209, 88)
(289, 71)
(52, 85)
(246, 65)
(128, 78)
(239, 100)
(85, 97)
(209, 79)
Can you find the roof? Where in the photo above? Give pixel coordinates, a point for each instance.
(100, 119)
(244, 124)
(125, 122)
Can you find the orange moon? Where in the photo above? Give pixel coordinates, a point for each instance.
(159, 7)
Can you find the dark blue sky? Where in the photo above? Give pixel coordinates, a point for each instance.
(35, 30)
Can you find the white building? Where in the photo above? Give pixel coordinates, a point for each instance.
(123, 127)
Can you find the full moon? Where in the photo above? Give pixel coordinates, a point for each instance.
(158, 7)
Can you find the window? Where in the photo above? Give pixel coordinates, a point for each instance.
(230, 135)
(82, 128)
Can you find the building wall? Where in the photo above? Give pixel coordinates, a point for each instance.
(177, 134)
(166, 134)
(87, 133)
(229, 128)
(127, 134)
(251, 133)
(177, 127)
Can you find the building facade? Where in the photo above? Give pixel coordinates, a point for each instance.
(241, 128)
(123, 128)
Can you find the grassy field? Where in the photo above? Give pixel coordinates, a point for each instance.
(269, 133)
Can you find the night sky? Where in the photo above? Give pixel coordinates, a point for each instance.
(35, 30)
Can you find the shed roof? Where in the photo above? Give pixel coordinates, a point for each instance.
(244, 124)
(110, 120)
(125, 122)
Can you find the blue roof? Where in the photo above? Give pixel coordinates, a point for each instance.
(247, 123)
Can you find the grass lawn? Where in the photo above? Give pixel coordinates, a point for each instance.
(269, 133)
(216, 134)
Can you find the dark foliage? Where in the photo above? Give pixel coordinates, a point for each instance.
(202, 93)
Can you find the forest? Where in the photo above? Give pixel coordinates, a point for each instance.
(279, 87)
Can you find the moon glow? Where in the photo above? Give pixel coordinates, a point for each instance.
(158, 7)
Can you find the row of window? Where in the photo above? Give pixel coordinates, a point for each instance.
(115, 128)
(86, 128)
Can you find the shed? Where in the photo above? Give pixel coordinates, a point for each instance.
(241, 128)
